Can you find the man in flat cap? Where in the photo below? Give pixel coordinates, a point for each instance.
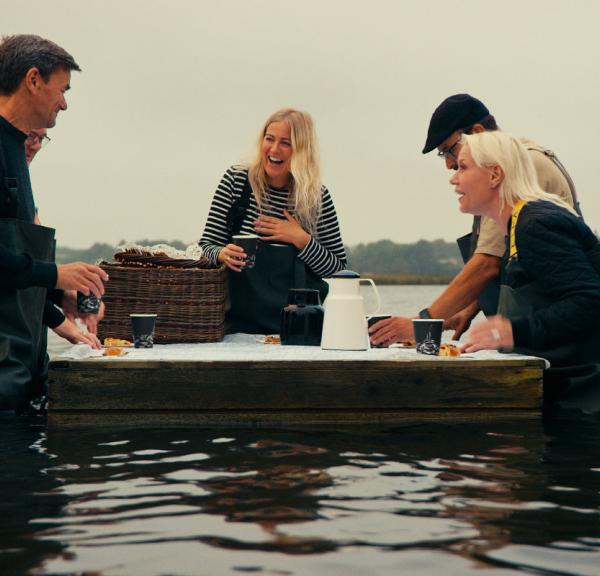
(476, 286)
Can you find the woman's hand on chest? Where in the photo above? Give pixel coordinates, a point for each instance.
(277, 230)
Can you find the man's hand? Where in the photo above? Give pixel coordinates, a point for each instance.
(460, 322)
(69, 304)
(91, 321)
(69, 308)
(288, 230)
(69, 331)
(390, 330)
(82, 277)
(492, 334)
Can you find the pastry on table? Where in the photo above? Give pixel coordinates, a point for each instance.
(449, 350)
(114, 351)
(117, 342)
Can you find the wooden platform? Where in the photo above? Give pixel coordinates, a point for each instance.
(267, 390)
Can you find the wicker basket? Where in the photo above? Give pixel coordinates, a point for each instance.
(190, 303)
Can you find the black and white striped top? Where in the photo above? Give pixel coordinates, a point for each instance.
(324, 254)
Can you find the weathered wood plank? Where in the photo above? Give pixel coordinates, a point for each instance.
(252, 386)
(277, 419)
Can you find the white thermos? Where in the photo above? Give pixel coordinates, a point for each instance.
(345, 322)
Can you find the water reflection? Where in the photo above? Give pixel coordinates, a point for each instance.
(506, 497)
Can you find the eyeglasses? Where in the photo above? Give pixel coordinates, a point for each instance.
(448, 152)
(43, 140)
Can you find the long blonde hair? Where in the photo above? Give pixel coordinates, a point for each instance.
(520, 180)
(305, 188)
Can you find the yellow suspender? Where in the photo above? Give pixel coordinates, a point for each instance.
(513, 225)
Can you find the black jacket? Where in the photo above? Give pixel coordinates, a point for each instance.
(21, 270)
(555, 249)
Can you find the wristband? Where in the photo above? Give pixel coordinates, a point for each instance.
(424, 314)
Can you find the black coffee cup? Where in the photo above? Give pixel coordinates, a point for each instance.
(89, 304)
(249, 243)
(428, 335)
(142, 327)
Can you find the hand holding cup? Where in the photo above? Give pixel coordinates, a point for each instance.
(233, 257)
(249, 244)
(371, 321)
(88, 303)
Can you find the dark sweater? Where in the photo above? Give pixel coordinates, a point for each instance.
(21, 270)
(553, 247)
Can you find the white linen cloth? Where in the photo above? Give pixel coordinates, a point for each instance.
(248, 347)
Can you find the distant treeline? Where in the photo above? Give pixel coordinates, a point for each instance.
(421, 259)
(423, 262)
(101, 251)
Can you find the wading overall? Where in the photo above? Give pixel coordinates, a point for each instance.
(257, 296)
(22, 334)
(573, 381)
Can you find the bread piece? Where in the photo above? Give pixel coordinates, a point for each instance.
(449, 350)
(114, 352)
(116, 342)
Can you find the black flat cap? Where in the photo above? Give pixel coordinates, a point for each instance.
(454, 113)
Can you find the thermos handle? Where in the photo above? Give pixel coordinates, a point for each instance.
(376, 295)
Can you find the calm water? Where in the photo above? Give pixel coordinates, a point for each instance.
(493, 499)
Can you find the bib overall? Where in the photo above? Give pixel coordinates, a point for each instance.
(257, 296)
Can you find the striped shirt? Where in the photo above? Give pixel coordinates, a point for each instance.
(324, 254)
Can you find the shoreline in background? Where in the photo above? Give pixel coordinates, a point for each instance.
(409, 279)
(388, 263)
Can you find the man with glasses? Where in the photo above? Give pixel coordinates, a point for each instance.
(35, 141)
(34, 77)
(476, 286)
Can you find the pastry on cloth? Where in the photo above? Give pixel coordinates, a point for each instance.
(117, 342)
(449, 350)
(274, 339)
(114, 352)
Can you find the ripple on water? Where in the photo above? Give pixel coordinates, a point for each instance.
(422, 499)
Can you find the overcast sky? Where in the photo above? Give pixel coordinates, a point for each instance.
(173, 92)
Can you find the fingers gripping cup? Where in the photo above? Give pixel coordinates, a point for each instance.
(428, 335)
(373, 320)
(249, 243)
(142, 326)
(89, 304)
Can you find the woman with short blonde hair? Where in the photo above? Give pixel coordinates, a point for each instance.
(520, 180)
(550, 297)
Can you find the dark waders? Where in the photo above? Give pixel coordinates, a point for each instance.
(488, 299)
(573, 381)
(256, 296)
(22, 334)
